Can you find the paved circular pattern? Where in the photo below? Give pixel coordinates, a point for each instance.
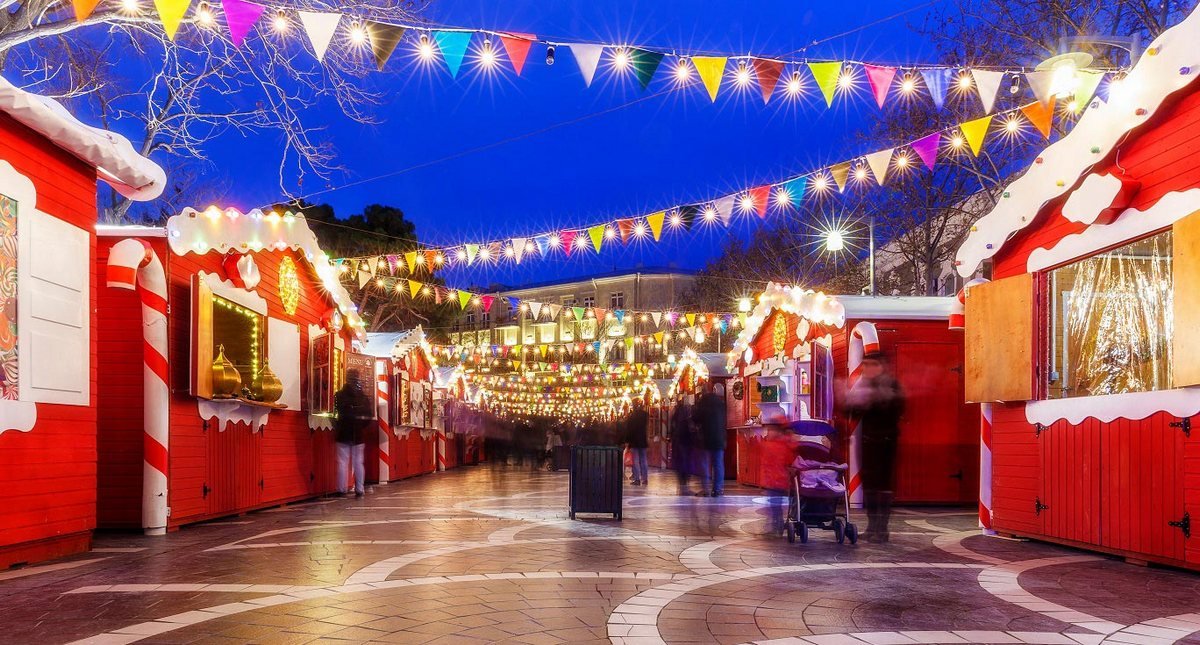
(488, 554)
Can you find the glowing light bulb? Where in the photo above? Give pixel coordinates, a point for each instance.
(621, 59)
(846, 80)
(908, 85)
(554, 242)
(204, 15)
(580, 243)
(509, 252)
(358, 33)
(439, 259)
(130, 7)
(835, 241)
(379, 282)
(609, 233)
(425, 48)
(820, 183)
(487, 55)
(1012, 125)
(279, 23)
(676, 220)
(794, 85)
(639, 229)
(683, 71)
(957, 142)
(860, 173)
(964, 81)
(746, 203)
(709, 214)
(902, 161)
(742, 76)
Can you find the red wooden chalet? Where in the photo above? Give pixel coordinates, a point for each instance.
(223, 337)
(799, 348)
(1084, 345)
(49, 166)
(406, 416)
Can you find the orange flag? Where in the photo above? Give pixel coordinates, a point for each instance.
(1041, 115)
(84, 8)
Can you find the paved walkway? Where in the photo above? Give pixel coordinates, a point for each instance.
(477, 555)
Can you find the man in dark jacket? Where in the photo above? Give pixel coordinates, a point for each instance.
(878, 401)
(637, 441)
(354, 416)
(683, 442)
(710, 418)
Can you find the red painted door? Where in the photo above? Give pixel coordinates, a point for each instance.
(188, 470)
(221, 468)
(934, 456)
(247, 465)
(1071, 480)
(1016, 472)
(1142, 486)
(324, 463)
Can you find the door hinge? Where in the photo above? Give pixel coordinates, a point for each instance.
(1184, 424)
(1039, 429)
(204, 425)
(205, 490)
(1038, 506)
(1183, 524)
(260, 484)
(958, 475)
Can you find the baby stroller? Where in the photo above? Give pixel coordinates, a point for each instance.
(818, 498)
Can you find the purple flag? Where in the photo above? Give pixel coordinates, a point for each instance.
(240, 16)
(926, 148)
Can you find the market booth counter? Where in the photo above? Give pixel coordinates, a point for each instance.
(1083, 347)
(795, 359)
(49, 368)
(407, 442)
(246, 334)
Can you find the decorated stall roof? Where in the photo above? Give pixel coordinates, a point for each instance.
(1170, 64)
(897, 307)
(811, 305)
(113, 157)
(704, 365)
(231, 231)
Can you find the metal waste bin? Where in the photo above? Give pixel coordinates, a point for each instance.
(597, 474)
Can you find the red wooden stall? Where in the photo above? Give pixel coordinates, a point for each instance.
(1083, 346)
(49, 367)
(407, 442)
(249, 292)
(938, 453)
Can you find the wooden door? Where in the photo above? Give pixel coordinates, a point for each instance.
(1071, 481)
(1142, 486)
(933, 455)
(186, 489)
(222, 468)
(247, 467)
(1016, 472)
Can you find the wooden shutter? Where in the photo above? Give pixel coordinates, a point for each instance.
(1185, 256)
(202, 339)
(999, 340)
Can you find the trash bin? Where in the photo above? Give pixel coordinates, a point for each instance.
(596, 480)
(560, 458)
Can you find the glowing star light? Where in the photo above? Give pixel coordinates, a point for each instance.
(358, 34)
(908, 85)
(683, 71)
(487, 55)
(794, 85)
(425, 48)
(742, 76)
(746, 203)
(621, 59)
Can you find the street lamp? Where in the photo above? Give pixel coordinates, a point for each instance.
(835, 241)
(744, 305)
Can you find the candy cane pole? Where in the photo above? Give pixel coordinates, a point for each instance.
(441, 440)
(864, 339)
(381, 413)
(133, 265)
(958, 320)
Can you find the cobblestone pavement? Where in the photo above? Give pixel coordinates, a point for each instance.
(478, 554)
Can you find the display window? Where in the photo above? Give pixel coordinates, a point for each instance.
(229, 339)
(9, 374)
(821, 383)
(326, 372)
(1111, 321)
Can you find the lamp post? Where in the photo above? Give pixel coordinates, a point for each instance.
(835, 241)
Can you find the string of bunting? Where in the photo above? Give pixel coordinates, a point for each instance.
(881, 166)
(454, 46)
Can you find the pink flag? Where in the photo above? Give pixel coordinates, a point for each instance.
(240, 16)
(487, 302)
(881, 81)
(926, 148)
(568, 240)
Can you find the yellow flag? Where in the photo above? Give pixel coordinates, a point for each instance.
(691, 319)
(410, 259)
(414, 288)
(826, 76)
(597, 235)
(710, 69)
(974, 132)
(840, 173)
(171, 12)
(655, 220)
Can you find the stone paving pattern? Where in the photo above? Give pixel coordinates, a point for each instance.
(488, 555)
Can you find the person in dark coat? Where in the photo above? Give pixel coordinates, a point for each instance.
(683, 442)
(710, 419)
(637, 440)
(878, 402)
(354, 416)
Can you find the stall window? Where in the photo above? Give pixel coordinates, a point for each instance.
(822, 383)
(8, 299)
(326, 372)
(1111, 321)
(240, 331)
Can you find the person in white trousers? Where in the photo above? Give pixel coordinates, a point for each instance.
(353, 409)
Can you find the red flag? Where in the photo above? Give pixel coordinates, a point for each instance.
(768, 72)
(487, 302)
(761, 196)
(625, 228)
(518, 50)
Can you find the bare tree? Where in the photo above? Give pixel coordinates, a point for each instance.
(175, 98)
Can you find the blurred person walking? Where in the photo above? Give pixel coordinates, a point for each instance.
(354, 416)
(638, 440)
(878, 401)
(683, 443)
(710, 420)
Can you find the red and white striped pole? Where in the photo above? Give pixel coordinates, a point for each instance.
(381, 414)
(441, 441)
(133, 265)
(864, 339)
(958, 320)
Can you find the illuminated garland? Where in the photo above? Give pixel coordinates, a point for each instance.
(779, 197)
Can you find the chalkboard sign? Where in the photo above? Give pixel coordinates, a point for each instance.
(361, 367)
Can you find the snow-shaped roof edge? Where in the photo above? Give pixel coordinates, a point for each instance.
(113, 157)
(1169, 64)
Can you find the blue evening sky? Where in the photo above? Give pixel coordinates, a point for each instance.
(662, 151)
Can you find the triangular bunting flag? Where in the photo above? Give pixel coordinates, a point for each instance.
(761, 196)
(535, 309)
(171, 13)
(514, 305)
(240, 16)
(620, 314)
(768, 72)
(625, 229)
(392, 262)
(691, 319)
(1040, 83)
(710, 69)
(453, 45)
(431, 260)
(672, 316)
(518, 247)
(597, 235)
(517, 50)
(658, 337)
(926, 148)
(410, 259)
(687, 215)
(645, 63)
(84, 8)
(414, 288)
(487, 302)
(1041, 115)
(795, 190)
(384, 38)
(724, 208)
(364, 277)
(742, 319)
(543, 349)
(554, 311)
(880, 79)
(974, 132)
(588, 57)
(656, 317)
(987, 83)
(320, 27)
(600, 313)
(1085, 87)
(937, 81)
(577, 312)
(568, 240)
(464, 298)
(543, 244)
(826, 76)
(472, 252)
(840, 172)
(655, 221)
(879, 163)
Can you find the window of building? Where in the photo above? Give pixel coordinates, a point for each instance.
(616, 300)
(587, 329)
(470, 317)
(1110, 323)
(566, 329)
(589, 302)
(239, 332)
(569, 301)
(546, 332)
(326, 372)
(485, 317)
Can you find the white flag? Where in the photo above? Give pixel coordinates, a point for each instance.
(987, 84)
(588, 57)
(879, 162)
(320, 27)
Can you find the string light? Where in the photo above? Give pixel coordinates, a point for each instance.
(621, 59)
(860, 172)
(742, 76)
(783, 197)
(710, 214)
(746, 203)
(358, 33)
(794, 85)
(957, 142)
(204, 15)
(425, 48)
(683, 71)
(964, 81)
(487, 55)
(909, 84)
(279, 23)
(609, 233)
(130, 7)
(550, 55)
(1011, 125)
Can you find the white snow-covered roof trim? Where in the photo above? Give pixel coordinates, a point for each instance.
(874, 308)
(811, 305)
(1171, 63)
(228, 230)
(113, 157)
